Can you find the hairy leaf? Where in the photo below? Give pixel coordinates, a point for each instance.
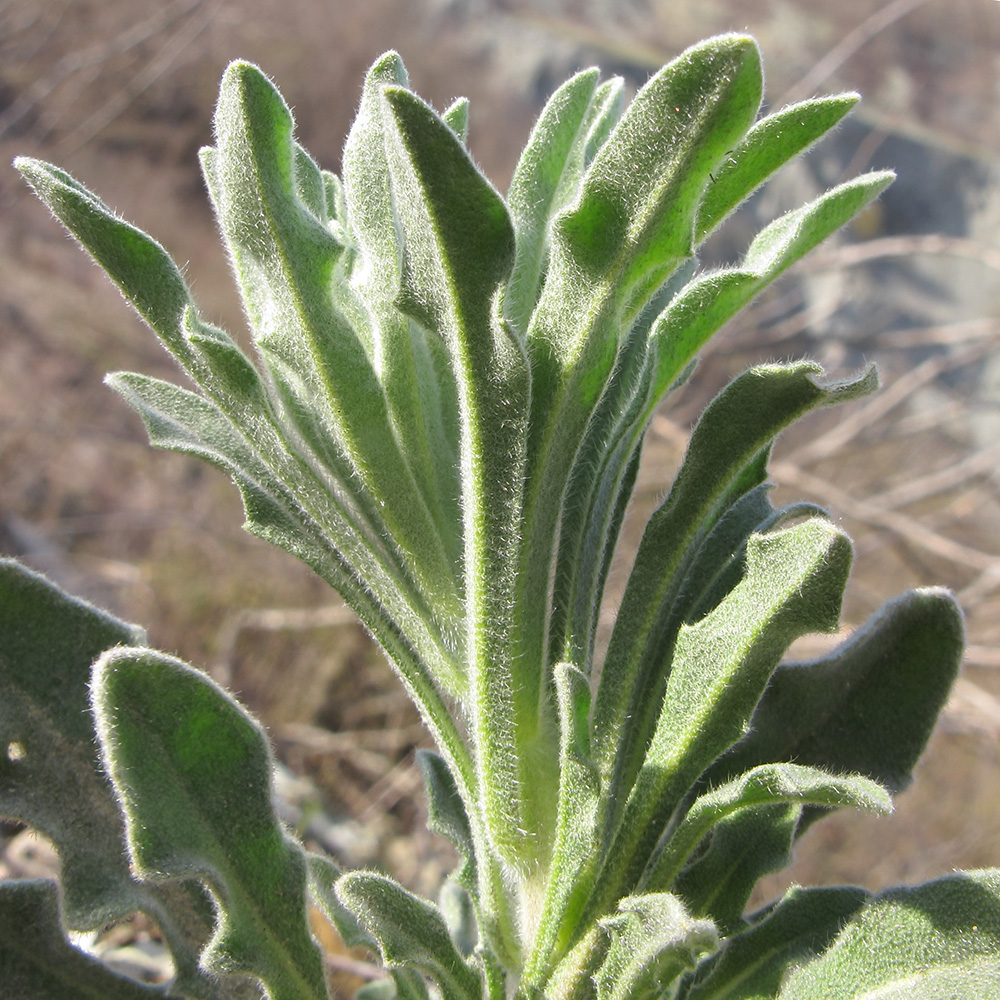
(720, 666)
(936, 941)
(752, 965)
(192, 771)
(410, 932)
(38, 963)
(652, 941)
(769, 784)
(50, 774)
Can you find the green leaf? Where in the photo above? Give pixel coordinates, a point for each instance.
(634, 221)
(629, 230)
(50, 776)
(410, 361)
(721, 558)
(743, 847)
(752, 965)
(574, 857)
(652, 941)
(546, 179)
(769, 145)
(459, 914)
(285, 260)
(136, 263)
(769, 784)
(367, 185)
(182, 421)
(193, 774)
(411, 933)
(38, 963)
(323, 875)
(720, 666)
(446, 812)
(709, 301)
(726, 459)
(152, 283)
(459, 248)
(457, 117)
(870, 705)
(939, 941)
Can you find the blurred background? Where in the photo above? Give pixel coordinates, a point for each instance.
(120, 93)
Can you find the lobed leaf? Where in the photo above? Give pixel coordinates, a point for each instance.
(192, 771)
(137, 264)
(50, 776)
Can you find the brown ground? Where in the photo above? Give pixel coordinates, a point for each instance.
(120, 93)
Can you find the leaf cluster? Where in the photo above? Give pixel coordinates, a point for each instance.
(442, 415)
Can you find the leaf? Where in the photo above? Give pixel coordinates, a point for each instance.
(459, 914)
(53, 782)
(192, 771)
(152, 284)
(459, 248)
(410, 932)
(182, 421)
(574, 857)
(868, 707)
(457, 117)
(635, 218)
(742, 848)
(720, 666)
(612, 250)
(769, 784)
(546, 179)
(137, 264)
(629, 230)
(652, 941)
(752, 965)
(50, 776)
(769, 145)
(409, 359)
(38, 963)
(939, 941)
(726, 459)
(447, 813)
(709, 301)
(285, 260)
(323, 874)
